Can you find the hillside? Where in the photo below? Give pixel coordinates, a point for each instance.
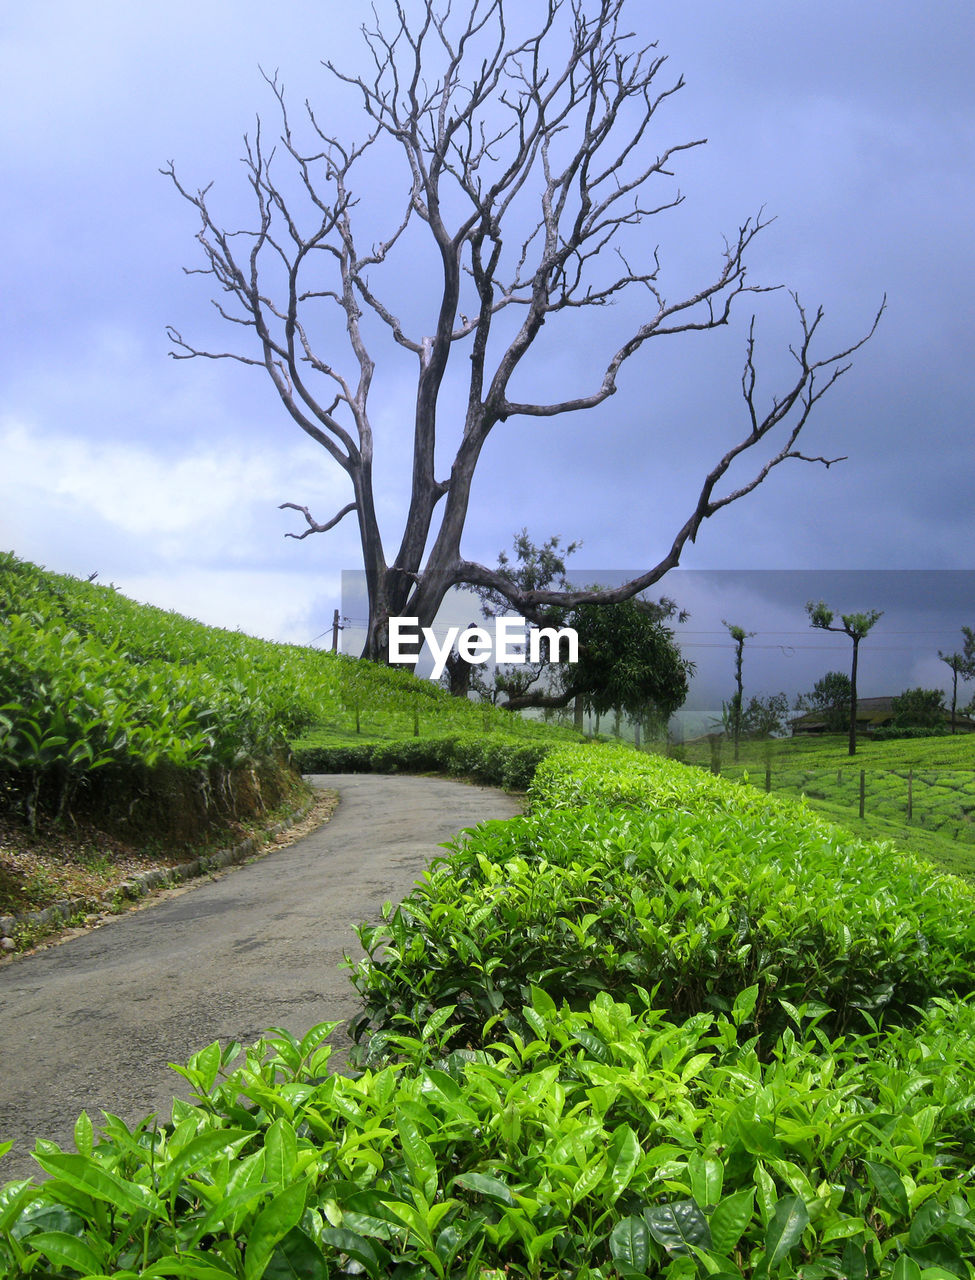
(131, 736)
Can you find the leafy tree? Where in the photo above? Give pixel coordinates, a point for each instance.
(629, 662)
(528, 166)
(969, 652)
(856, 626)
(765, 717)
(830, 697)
(533, 568)
(919, 708)
(739, 635)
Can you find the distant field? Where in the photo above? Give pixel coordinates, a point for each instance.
(919, 793)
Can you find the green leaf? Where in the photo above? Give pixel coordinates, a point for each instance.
(369, 1254)
(82, 1173)
(66, 1251)
(905, 1268)
(280, 1152)
(484, 1185)
(730, 1219)
(84, 1134)
(271, 1225)
(12, 1209)
(419, 1157)
(784, 1232)
(758, 1137)
(625, 1147)
(707, 1178)
(678, 1225)
(629, 1243)
(889, 1187)
(854, 1261)
(436, 1021)
(297, 1257)
(938, 1260)
(203, 1147)
(190, 1264)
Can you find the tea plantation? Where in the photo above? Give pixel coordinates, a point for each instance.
(661, 1025)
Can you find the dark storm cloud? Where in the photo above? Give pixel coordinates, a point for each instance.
(853, 124)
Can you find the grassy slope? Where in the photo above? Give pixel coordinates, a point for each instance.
(307, 690)
(325, 699)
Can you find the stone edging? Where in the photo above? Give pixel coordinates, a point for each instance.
(162, 878)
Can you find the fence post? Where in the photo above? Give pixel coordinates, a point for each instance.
(863, 789)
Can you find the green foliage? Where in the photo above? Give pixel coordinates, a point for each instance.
(855, 625)
(830, 698)
(765, 716)
(655, 878)
(889, 733)
(92, 680)
(611, 1142)
(919, 708)
(936, 769)
(662, 1025)
(627, 660)
(493, 759)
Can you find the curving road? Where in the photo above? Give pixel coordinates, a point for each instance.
(91, 1025)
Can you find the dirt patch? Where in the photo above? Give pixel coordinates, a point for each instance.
(102, 877)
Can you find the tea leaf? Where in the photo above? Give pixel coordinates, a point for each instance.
(629, 1243)
(889, 1186)
(730, 1219)
(678, 1225)
(66, 1251)
(271, 1225)
(785, 1230)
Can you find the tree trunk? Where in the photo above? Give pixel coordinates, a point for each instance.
(853, 698)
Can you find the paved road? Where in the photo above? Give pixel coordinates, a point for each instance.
(92, 1024)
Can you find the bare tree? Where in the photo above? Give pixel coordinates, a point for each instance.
(529, 162)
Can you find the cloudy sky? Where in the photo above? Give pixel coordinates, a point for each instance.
(852, 124)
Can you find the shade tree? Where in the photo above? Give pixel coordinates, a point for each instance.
(856, 626)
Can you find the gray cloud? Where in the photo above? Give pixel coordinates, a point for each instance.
(853, 123)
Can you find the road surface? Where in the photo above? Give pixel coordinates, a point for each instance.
(91, 1024)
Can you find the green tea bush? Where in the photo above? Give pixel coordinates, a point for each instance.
(91, 679)
(891, 733)
(608, 1143)
(493, 759)
(697, 891)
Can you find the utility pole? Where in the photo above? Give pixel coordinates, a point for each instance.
(335, 631)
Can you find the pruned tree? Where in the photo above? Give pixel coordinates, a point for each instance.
(739, 635)
(530, 166)
(956, 661)
(856, 626)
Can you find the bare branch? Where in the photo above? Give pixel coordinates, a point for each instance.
(313, 525)
(528, 162)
